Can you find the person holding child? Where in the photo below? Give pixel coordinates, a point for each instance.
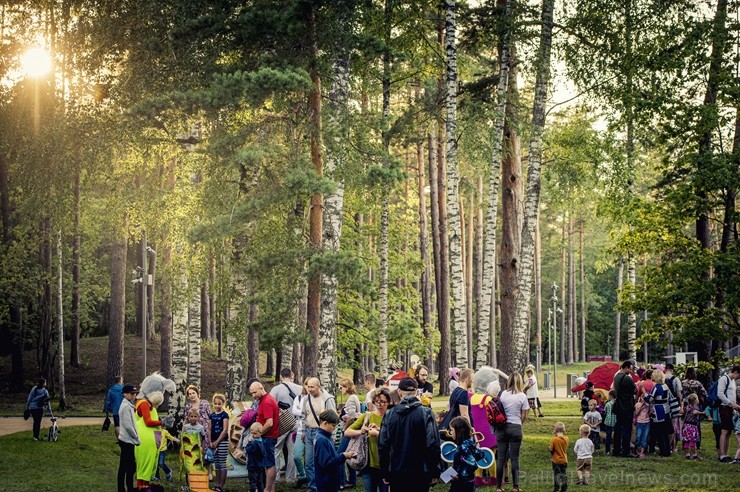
(690, 432)
(219, 421)
(584, 450)
(327, 460)
(559, 457)
(255, 451)
(268, 414)
(593, 419)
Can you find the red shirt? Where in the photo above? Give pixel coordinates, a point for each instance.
(268, 409)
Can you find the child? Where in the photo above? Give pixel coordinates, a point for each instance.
(587, 397)
(255, 454)
(642, 426)
(219, 442)
(584, 450)
(713, 413)
(440, 416)
(467, 452)
(593, 419)
(559, 452)
(610, 420)
(192, 426)
(327, 460)
(736, 427)
(128, 438)
(162, 437)
(690, 433)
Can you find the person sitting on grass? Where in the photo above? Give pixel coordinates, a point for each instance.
(584, 450)
(593, 419)
(327, 460)
(559, 457)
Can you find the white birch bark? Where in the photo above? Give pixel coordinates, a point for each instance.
(525, 274)
(235, 374)
(180, 353)
(332, 225)
(618, 314)
(631, 315)
(489, 248)
(457, 278)
(60, 326)
(194, 338)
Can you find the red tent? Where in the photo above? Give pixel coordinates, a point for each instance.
(602, 377)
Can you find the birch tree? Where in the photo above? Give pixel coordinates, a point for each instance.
(60, 326)
(525, 274)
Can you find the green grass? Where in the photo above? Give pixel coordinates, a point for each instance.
(87, 459)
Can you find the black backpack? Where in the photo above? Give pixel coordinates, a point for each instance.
(670, 382)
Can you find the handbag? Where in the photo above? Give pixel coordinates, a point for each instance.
(106, 424)
(358, 445)
(26, 414)
(286, 422)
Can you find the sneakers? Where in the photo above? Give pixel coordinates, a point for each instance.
(735, 461)
(726, 459)
(168, 477)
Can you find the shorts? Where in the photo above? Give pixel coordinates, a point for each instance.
(725, 417)
(583, 464)
(268, 460)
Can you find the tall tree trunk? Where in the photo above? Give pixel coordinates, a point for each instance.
(165, 310)
(253, 344)
(538, 289)
(235, 374)
(194, 340)
(425, 281)
(457, 279)
(445, 355)
(317, 204)
(618, 314)
(489, 266)
(631, 316)
(581, 256)
(563, 290)
(525, 274)
(437, 231)
(74, 350)
(572, 331)
(493, 357)
(469, 268)
(61, 389)
(205, 312)
(117, 302)
(212, 296)
(478, 275)
(332, 222)
(179, 366)
(45, 350)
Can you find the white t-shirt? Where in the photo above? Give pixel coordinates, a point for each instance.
(584, 448)
(514, 404)
(532, 392)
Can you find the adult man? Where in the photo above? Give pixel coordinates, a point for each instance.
(285, 394)
(624, 408)
(426, 390)
(268, 414)
(727, 393)
(676, 389)
(113, 402)
(316, 402)
(128, 438)
(408, 445)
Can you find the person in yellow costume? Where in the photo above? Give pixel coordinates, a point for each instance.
(150, 396)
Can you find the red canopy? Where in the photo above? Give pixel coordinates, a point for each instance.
(602, 377)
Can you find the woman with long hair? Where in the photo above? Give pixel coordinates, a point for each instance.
(347, 417)
(37, 401)
(509, 436)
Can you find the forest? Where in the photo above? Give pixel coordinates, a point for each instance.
(346, 183)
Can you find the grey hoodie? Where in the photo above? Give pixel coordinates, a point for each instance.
(128, 432)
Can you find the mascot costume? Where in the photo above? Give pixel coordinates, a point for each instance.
(148, 425)
(485, 385)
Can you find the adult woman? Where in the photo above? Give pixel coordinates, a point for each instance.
(460, 400)
(369, 424)
(691, 385)
(38, 400)
(300, 445)
(509, 438)
(660, 413)
(192, 393)
(646, 384)
(349, 414)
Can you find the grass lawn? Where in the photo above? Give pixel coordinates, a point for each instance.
(87, 459)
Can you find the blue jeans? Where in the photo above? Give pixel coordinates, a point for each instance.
(310, 439)
(641, 436)
(372, 479)
(352, 472)
(162, 463)
(298, 451)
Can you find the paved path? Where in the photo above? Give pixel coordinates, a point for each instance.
(11, 425)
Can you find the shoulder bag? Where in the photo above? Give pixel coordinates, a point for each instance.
(358, 445)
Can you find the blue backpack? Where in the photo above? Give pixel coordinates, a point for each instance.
(712, 400)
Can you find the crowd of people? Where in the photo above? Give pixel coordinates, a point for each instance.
(403, 435)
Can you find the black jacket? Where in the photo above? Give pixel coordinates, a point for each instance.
(409, 440)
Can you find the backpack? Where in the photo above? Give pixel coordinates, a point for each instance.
(496, 413)
(712, 400)
(671, 383)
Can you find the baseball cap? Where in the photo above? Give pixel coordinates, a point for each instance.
(129, 388)
(408, 384)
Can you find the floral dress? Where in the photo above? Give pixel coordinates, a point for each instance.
(690, 433)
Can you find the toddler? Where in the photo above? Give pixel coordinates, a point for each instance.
(440, 417)
(192, 426)
(466, 455)
(690, 433)
(255, 455)
(584, 450)
(593, 419)
(559, 452)
(161, 438)
(219, 439)
(642, 426)
(610, 420)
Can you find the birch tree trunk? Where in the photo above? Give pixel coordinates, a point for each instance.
(234, 334)
(434, 199)
(74, 352)
(489, 248)
(563, 271)
(631, 316)
(525, 274)
(469, 268)
(583, 291)
(538, 289)
(493, 357)
(60, 326)
(180, 336)
(572, 332)
(117, 302)
(425, 281)
(618, 314)
(165, 311)
(332, 223)
(478, 274)
(194, 334)
(457, 279)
